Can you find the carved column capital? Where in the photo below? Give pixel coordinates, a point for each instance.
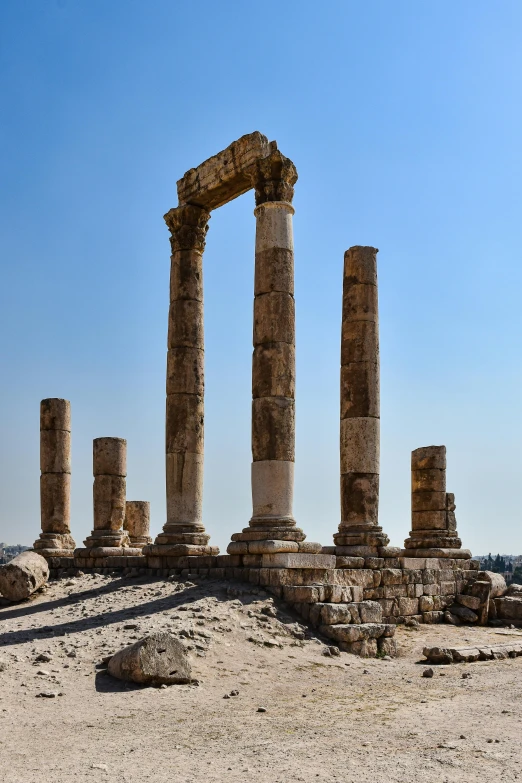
(274, 178)
(188, 226)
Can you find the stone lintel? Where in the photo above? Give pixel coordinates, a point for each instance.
(226, 175)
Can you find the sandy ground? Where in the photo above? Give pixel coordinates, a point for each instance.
(327, 718)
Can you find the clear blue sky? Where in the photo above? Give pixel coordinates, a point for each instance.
(404, 120)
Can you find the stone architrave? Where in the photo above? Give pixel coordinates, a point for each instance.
(137, 522)
(55, 481)
(110, 471)
(359, 532)
(433, 523)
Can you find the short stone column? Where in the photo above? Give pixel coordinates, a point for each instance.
(433, 523)
(55, 480)
(110, 471)
(359, 532)
(137, 522)
(184, 533)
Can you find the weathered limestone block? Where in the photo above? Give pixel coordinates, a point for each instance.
(359, 498)
(186, 265)
(428, 520)
(110, 457)
(360, 445)
(184, 423)
(137, 522)
(360, 389)
(184, 472)
(429, 458)
(55, 451)
(23, 575)
(159, 659)
(185, 324)
(109, 502)
(497, 582)
(185, 371)
(226, 175)
(273, 428)
(274, 269)
(55, 500)
(360, 302)
(507, 608)
(298, 560)
(429, 480)
(428, 501)
(359, 342)
(274, 318)
(55, 414)
(273, 370)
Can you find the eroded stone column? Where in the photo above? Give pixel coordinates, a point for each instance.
(359, 532)
(137, 522)
(184, 532)
(433, 523)
(55, 480)
(109, 488)
(273, 367)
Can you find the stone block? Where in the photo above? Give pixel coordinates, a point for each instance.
(470, 601)
(360, 389)
(359, 498)
(298, 560)
(274, 267)
(426, 603)
(273, 370)
(360, 445)
(55, 494)
(186, 275)
(225, 175)
(448, 588)
(370, 611)
(433, 589)
(428, 501)
(273, 427)
(391, 576)
(185, 371)
(408, 606)
(362, 577)
(429, 458)
(357, 593)
(395, 591)
(55, 451)
(359, 342)
(431, 480)
(185, 324)
(55, 414)
(360, 302)
(360, 265)
(345, 561)
(274, 318)
(428, 520)
(374, 562)
(184, 423)
(271, 547)
(313, 548)
(308, 594)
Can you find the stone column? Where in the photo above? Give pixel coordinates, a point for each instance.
(433, 523)
(55, 480)
(359, 532)
(110, 471)
(137, 522)
(273, 369)
(184, 532)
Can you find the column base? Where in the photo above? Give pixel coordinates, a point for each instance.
(359, 537)
(106, 551)
(140, 541)
(438, 552)
(54, 545)
(107, 538)
(429, 539)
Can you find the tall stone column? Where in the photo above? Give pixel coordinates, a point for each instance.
(433, 523)
(359, 532)
(109, 488)
(55, 480)
(184, 532)
(273, 367)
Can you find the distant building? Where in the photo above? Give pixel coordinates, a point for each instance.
(8, 551)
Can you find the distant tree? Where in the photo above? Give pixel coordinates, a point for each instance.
(517, 576)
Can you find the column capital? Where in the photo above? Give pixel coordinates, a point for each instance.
(274, 178)
(188, 226)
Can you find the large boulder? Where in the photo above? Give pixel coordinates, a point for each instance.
(23, 575)
(158, 659)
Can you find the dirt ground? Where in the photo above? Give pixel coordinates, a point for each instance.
(327, 718)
